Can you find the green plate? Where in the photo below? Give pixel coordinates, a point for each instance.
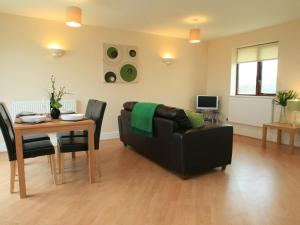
(128, 72)
(110, 77)
(132, 53)
(112, 52)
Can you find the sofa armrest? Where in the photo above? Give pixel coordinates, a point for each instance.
(204, 148)
(208, 137)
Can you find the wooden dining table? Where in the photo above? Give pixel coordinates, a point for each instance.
(52, 126)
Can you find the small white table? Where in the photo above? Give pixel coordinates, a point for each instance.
(280, 127)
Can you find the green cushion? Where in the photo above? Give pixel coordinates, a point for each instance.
(196, 119)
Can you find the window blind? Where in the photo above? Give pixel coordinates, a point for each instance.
(257, 53)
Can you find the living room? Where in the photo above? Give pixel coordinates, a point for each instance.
(259, 185)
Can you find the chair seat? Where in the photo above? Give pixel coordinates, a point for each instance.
(72, 134)
(38, 137)
(38, 148)
(73, 144)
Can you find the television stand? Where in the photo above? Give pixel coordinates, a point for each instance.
(211, 116)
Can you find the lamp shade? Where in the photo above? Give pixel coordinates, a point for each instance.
(293, 105)
(73, 16)
(195, 35)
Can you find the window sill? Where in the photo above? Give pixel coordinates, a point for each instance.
(253, 97)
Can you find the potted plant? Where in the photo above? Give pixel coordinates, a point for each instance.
(281, 99)
(55, 98)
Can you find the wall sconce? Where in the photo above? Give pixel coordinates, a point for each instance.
(55, 50)
(167, 59)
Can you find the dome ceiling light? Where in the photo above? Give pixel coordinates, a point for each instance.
(73, 16)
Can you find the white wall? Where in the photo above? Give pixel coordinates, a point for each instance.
(219, 65)
(26, 66)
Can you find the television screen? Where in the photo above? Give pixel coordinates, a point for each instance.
(207, 102)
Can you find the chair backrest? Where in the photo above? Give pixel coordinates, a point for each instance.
(95, 110)
(8, 132)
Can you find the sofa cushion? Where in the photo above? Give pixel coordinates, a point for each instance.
(175, 114)
(129, 105)
(195, 118)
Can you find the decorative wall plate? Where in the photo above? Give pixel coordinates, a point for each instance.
(112, 52)
(128, 72)
(112, 55)
(120, 63)
(110, 77)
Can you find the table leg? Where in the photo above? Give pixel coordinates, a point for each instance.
(20, 162)
(292, 140)
(264, 136)
(91, 153)
(278, 136)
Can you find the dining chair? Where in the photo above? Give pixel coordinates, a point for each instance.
(26, 138)
(88, 114)
(84, 133)
(78, 141)
(30, 149)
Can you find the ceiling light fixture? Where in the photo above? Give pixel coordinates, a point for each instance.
(195, 33)
(73, 16)
(195, 36)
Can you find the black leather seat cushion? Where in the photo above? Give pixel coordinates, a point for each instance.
(38, 148)
(172, 113)
(38, 137)
(73, 144)
(72, 134)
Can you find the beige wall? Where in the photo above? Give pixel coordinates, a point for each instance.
(219, 58)
(26, 66)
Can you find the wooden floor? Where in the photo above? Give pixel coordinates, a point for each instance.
(259, 188)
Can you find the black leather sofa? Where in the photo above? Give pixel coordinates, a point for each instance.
(175, 145)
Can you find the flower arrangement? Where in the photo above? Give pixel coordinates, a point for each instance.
(283, 96)
(56, 95)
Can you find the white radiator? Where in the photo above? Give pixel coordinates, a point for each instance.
(40, 106)
(253, 111)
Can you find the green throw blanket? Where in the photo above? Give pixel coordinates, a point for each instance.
(142, 118)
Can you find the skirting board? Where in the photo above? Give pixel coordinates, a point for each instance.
(103, 136)
(109, 135)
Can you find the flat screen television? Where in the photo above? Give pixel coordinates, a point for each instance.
(205, 102)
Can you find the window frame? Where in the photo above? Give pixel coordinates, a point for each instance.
(258, 81)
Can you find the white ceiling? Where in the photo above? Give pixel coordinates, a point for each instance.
(165, 17)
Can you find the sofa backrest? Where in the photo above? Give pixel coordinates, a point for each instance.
(166, 112)
(162, 127)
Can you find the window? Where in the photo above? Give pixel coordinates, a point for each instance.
(256, 72)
